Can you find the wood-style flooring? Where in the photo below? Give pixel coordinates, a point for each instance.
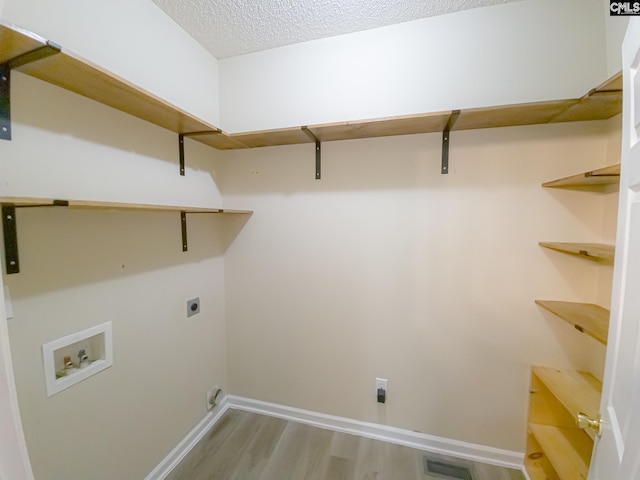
(249, 446)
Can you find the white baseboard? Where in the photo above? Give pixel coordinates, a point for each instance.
(470, 451)
(187, 443)
(430, 443)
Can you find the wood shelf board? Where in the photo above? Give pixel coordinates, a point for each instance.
(80, 76)
(270, 138)
(576, 391)
(87, 204)
(15, 41)
(593, 251)
(569, 456)
(600, 177)
(597, 106)
(382, 127)
(586, 317)
(536, 462)
(537, 473)
(511, 115)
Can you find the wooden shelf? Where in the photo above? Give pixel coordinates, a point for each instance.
(569, 456)
(70, 71)
(10, 204)
(576, 391)
(593, 251)
(84, 204)
(585, 317)
(592, 180)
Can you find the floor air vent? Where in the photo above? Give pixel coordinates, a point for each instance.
(446, 470)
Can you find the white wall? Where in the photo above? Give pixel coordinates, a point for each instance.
(385, 268)
(615, 28)
(133, 39)
(81, 268)
(518, 52)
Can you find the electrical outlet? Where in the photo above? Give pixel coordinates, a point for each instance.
(382, 384)
(213, 397)
(193, 307)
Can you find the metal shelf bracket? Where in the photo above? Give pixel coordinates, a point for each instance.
(10, 238)
(445, 141)
(311, 135)
(183, 225)
(10, 232)
(5, 82)
(181, 144)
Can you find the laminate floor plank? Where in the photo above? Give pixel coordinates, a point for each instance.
(250, 446)
(301, 453)
(206, 447)
(255, 458)
(370, 461)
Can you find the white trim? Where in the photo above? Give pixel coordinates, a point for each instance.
(469, 451)
(181, 450)
(14, 457)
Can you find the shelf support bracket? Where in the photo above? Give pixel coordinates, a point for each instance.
(183, 224)
(311, 135)
(10, 239)
(445, 141)
(5, 82)
(181, 144)
(10, 231)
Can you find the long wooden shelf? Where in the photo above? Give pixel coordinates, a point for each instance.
(586, 317)
(85, 204)
(593, 251)
(70, 71)
(559, 445)
(591, 180)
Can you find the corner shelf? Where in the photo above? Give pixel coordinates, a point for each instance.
(9, 222)
(556, 447)
(596, 252)
(585, 317)
(72, 72)
(591, 180)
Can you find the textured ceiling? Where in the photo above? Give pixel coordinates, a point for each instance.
(234, 27)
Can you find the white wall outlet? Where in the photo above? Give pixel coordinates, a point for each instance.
(213, 397)
(382, 383)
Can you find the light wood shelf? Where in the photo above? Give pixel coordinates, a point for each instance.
(74, 73)
(569, 456)
(586, 317)
(576, 391)
(593, 251)
(556, 448)
(86, 204)
(591, 180)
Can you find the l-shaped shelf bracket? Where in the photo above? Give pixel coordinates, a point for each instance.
(318, 150)
(445, 141)
(10, 230)
(5, 82)
(191, 134)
